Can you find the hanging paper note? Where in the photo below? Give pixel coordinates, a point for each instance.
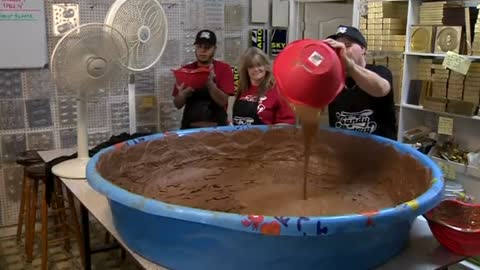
(445, 125)
(456, 62)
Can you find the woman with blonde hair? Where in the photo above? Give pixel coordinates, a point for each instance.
(257, 100)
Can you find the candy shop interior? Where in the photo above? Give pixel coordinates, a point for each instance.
(233, 134)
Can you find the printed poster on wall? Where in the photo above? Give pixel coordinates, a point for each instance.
(278, 41)
(259, 39)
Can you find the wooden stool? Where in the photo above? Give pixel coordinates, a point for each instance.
(36, 173)
(25, 159)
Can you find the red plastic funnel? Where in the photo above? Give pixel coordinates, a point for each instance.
(309, 72)
(195, 78)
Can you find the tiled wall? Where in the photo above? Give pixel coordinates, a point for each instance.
(34, 114)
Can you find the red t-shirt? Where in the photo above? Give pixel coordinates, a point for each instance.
(272, 108)
(223, 77)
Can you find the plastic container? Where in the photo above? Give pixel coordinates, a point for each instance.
(309, 72)
(179, 237)
(195, 78)
(456, 225)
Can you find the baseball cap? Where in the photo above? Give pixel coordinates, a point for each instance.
(351, 33)
(206, 37)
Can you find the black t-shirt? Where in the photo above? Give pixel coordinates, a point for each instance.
(354, 109)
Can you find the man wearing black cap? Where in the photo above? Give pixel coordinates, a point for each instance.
(367, 103)
(206, 106)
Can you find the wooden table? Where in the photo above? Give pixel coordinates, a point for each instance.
(423, 252)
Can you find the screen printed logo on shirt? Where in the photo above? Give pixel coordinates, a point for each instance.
(357, 121)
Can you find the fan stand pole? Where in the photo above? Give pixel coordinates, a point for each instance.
(132, 115)
(77, 168)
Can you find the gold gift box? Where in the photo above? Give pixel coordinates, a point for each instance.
(471, 91)
(421, 38)
(423, 78)
(439, 89)
(393, 21)
(393, 48)
(424, 65)
(440, 67)
(448, 39)
(391, 26)
(474, 70)
(455, 81)
(455, 87)
(439, 94)
(455, 74)
(439, 78)
(434, 104)
(393, 31)
(431, 14)
(398, 38)
(462, 107)
(471, 94)
(392, 43)
(424, 73)
(424, 68)
(392, 6)
(472, 98)
(455, 97)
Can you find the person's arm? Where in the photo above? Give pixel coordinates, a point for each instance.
(224, 85)
(367, 80)
(181, 93)
(216, 93)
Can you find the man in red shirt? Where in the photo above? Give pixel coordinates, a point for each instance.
(206, 106)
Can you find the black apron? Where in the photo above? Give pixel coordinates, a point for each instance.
(245, 113)
(200, 107)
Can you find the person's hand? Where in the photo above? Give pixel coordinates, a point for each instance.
(340, 46)
(185, 91)
(211, 77)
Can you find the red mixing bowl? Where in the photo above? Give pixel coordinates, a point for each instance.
(195, 78)
(456, 225)
(309, 72)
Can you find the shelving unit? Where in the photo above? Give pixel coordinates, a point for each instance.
(408, 111)
(466, 128)
(439, 55)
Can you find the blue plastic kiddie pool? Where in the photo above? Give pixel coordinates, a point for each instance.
(179, 237)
